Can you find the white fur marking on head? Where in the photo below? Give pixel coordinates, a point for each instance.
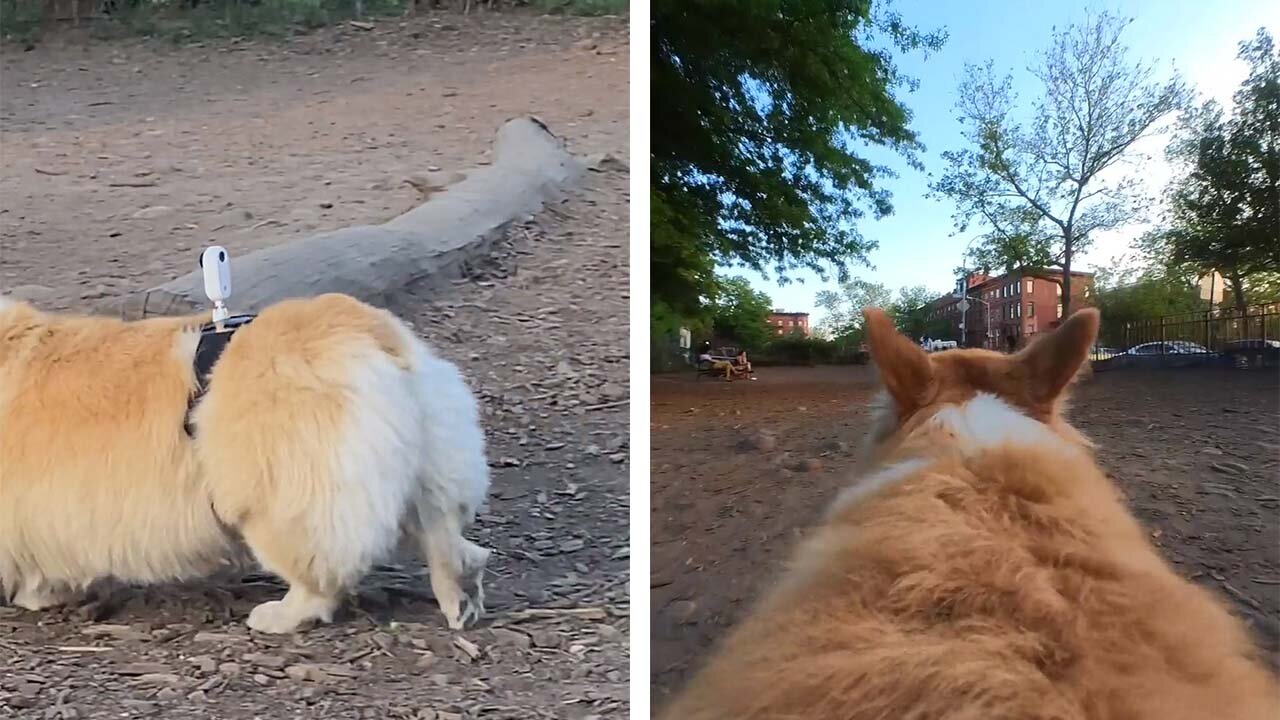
(986, 422)
(6, 302)
(871, 484)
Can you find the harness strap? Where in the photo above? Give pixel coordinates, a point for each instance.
(212, 343)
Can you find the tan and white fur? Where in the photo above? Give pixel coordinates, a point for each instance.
(327, 431)
(982, 568)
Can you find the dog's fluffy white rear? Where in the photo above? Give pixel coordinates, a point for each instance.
(327, 430)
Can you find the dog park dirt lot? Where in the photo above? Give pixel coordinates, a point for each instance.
(122, 160)
(740, 469)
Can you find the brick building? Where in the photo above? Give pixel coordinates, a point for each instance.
(1006, 310)
(786, 323)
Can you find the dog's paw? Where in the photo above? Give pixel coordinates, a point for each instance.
(275, 617)
(470, 610)
(40, 597)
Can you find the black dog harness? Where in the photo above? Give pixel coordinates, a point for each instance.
(212, 343)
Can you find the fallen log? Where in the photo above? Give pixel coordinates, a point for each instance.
(531, 168)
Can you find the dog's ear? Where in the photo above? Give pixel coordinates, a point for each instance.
(1052, 363)
(904, 366)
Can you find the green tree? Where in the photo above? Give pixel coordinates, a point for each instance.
(910, 311)
(1041, 187)
(844, 306)
(1126, 294)
(1225, 208)
(741, 314)
(758, 109)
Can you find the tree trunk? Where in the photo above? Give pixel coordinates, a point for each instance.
(1237, 292)
(1066, 274)
(431, 242)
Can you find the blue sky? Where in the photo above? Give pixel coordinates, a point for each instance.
(916, 242)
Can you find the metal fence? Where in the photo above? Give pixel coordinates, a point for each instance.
(1248, 340)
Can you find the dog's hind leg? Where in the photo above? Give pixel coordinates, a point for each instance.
(456, 565)
(313, 593)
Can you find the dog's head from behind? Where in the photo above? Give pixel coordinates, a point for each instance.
(918, 385)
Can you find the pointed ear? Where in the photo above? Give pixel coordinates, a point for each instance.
(1053, 362)
(904, 366)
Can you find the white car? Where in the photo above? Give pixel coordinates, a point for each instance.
(1169, 347)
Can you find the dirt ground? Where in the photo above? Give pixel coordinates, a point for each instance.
(1196, 451)
(121, 161)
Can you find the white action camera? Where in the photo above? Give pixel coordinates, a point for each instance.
(217, 280)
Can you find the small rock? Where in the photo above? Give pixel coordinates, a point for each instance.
(503, 636)
(141, 668)
(214, 637)
(764, 441)
(229, 668)
(168, 694)
(153, 212)
(546, 639)
(810, 465)
(683, 611)
(261, 679)
(308, 673)
(29, 293)
(471, 649)
(108, 629)
(160, 679)
(325, 204)
(264, 660)
(1227, 467)
(571, 546)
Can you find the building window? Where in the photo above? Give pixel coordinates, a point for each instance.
(1030, 287)
(1018, 310)
(1058, 287)
(1031, 308)
(1059, 309)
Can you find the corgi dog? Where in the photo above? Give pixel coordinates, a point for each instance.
(327, 432)
(983, 567)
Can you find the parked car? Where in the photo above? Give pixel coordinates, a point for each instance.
(1252, 352)
(1103, 353)
(1169, 347)
(1251, 344)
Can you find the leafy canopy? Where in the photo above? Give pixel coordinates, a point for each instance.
(759, 109)
(1041, 178)
(844, 306)
(741, 314)
(1225, 206)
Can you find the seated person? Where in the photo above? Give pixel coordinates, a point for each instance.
(716, 366)
(741, 364)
